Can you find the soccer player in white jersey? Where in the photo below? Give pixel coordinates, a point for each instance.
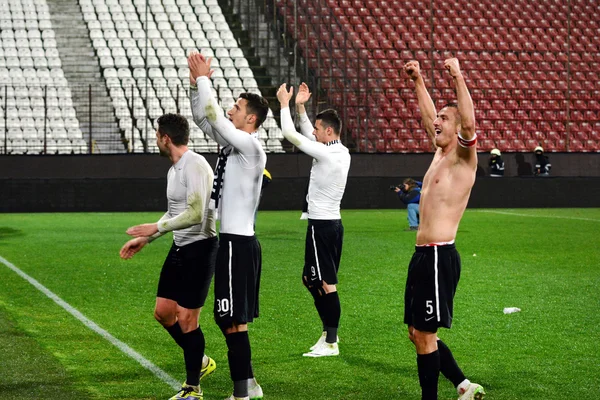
(434, 269)
(236, 194)
(325, 232)
(189, 266)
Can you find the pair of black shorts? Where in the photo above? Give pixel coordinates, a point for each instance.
(433, 274)
(237, 280)
(323, 251)
(187, 271)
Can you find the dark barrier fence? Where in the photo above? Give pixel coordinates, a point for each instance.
(138, 182)
(138, 194)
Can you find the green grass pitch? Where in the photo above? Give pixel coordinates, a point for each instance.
(546, 262)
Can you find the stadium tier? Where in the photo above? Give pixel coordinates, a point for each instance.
(37, 108)
(142, 56)
(533, 73)
(534, 79)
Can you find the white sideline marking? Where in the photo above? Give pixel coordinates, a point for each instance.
(162, 375)
(537, 216)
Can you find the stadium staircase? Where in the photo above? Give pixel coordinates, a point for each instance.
(82, 70)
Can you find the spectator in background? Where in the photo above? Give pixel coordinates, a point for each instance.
(496, 164)
(542, 163)
(410, 194)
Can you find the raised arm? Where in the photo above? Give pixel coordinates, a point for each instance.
(426, 106)
(222, 128)
(306, 127)
(466, 136)
(198, 113)
(465, 103)
(311, 147)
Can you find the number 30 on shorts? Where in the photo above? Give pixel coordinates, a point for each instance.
(223, 305)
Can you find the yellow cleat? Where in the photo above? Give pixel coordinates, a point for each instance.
(188, 392)
(209, 369)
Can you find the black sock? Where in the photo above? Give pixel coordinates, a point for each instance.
(448, 365)
(333, 312)
(176, 333)
(320, 310)
(193, 352)
(319, 305)
(429, 371)
(239, 355)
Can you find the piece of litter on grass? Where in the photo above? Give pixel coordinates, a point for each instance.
(511, 310)
(474, 255)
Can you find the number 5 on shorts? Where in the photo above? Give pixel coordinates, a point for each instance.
(429, 306)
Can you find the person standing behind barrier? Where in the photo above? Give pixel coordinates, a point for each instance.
(434, 270)
(410, 194)
(496, 164)
(542, 163)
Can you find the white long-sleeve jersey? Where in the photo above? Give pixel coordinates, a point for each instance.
(246, 160)
(329, 171)
(189, 185)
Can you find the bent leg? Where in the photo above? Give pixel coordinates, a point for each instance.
(428, 362)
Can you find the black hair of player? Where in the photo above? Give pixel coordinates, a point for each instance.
(256, 105)
(330, 119)
(176, 127)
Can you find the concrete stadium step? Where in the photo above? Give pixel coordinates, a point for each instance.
(82, 70)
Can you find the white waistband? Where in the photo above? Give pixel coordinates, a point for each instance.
(436, 244)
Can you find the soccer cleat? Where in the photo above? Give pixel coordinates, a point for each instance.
(232, 397)
(209, 369)
(473, 392)
(188, 392)
(322, 340)
(255, 393)
(324, 350)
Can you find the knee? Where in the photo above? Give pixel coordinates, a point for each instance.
(411, 335)
(305, 282)
(187, 321)
(164, 317)
(423, 340)
(315, 290)
(227, 329)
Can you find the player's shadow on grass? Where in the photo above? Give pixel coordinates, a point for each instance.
(377, 366)
(6, 233)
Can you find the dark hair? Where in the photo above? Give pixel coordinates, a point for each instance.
(330, 118)
(176, 127)
(454, 105)
(410, 182)
(256, 105)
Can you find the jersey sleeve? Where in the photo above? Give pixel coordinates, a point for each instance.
(199, 117)
(306, 127)
(198, 182)
(159, 233)
(312, 148)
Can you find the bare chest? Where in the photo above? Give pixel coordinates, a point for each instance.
(438, 176)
